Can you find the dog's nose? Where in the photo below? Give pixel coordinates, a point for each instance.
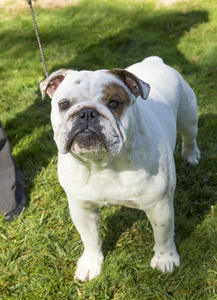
(88, 113)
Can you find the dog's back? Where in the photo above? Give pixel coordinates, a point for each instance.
(172, 100)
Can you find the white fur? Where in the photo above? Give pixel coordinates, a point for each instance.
(142, 175)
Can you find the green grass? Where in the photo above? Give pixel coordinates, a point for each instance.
(39, 250)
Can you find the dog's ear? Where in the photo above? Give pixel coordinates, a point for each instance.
(50, 84)
(136, 85)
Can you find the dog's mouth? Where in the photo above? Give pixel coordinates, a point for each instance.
(86, 140)
(87, 132)
(85, 135)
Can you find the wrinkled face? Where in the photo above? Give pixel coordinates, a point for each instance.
(91, 113)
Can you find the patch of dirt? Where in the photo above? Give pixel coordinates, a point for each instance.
(14, 6)
(167, 2)
(17, 5)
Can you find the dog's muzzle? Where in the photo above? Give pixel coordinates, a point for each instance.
(88, 131)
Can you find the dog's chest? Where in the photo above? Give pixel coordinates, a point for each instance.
(109, 186)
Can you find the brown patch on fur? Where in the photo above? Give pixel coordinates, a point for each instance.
(115, 92)
(53, 85)
(135, 85)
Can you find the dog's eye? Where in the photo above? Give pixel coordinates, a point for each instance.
(64, 105)
(114, 105)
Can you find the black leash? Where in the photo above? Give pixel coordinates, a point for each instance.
(37, 35)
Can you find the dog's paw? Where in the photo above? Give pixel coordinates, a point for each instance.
(192, 155)
(166, 262)
(89, 266)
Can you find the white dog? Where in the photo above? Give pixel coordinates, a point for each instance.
(115, 148)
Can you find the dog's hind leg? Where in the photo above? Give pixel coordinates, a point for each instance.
(187, 125)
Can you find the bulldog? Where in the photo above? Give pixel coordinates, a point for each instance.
(115, 131)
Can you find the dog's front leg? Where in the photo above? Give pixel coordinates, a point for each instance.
(86, 219)
(162, 220)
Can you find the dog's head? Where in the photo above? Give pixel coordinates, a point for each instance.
(92, 111)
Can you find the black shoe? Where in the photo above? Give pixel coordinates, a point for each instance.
(17, 211)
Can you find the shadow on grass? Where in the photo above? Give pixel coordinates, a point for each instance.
(38, 148)
(118, 223)
(144, 36)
